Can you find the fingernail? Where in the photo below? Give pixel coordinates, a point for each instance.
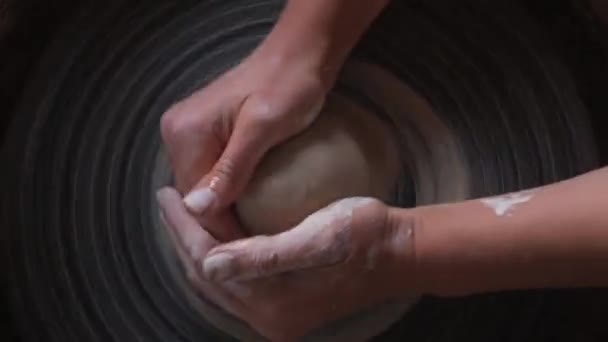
(200, 200)
(219, 267)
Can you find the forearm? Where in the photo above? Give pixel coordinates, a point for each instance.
(324, 31)
(553, 236)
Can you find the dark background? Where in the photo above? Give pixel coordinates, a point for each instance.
(27, 25)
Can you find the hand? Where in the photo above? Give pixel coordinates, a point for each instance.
(339, 260)
(216, 137)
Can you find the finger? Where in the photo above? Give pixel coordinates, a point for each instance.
(247, 145)
(192, 146)
(175, 217)
(226, 180)
(207, 290)
(191, 236)
(261, 124)
(193, 160)
(322, 240)
(224, 227)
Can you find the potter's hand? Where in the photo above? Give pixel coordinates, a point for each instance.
(339, 260)
(216, 137)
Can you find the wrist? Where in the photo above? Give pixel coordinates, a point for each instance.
(468, 248)
(451, 248)
(553, 236)
(282, 59)
(320, 33)
(445, 248)
(404, 270)
(288, 48)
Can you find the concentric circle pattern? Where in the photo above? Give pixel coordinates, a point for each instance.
(84, 259)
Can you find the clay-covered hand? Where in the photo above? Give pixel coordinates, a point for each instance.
(343, 258)
(216, 137)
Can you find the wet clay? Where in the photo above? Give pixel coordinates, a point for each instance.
(348, 151)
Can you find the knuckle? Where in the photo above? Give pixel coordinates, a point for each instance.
(173, 125)
(266, 262)
(376, 206)
(167, 126)
(313, 86)
(192, 276)
(261, 112)
(180, 125)
(223, 173)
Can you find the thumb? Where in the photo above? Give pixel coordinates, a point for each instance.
(246, 146)
(258, 127)
(321, 240)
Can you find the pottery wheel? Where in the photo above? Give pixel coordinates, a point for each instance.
(478, 102)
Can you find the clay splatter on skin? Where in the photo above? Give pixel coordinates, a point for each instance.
(505, 205)
(329, 250)
(318, 245)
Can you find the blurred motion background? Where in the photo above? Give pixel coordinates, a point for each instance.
(573, 27)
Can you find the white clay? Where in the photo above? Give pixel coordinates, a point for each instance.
(505, 205)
